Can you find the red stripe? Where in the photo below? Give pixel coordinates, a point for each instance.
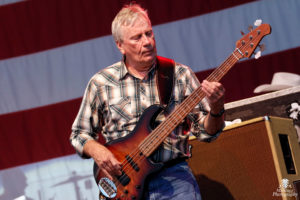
(37, 134)
(33, 26)
(43, 133)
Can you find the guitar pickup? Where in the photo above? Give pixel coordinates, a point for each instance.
(132, 163)
(123, 178)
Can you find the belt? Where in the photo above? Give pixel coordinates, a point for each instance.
(175, 161)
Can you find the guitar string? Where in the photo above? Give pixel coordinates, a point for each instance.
(147, 141)
(144, 143)
(214, 75)
(229, 60)
(134, 156)
(217, 75)
(150, 139)
(185, 103)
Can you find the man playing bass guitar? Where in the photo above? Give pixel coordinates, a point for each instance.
(116, 98)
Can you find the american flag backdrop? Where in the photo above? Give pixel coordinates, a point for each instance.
(49, 49)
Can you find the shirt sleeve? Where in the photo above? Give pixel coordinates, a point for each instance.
(87, 123)
(199, 113)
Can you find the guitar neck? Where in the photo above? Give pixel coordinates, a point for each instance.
(244, 48)
(158, 135)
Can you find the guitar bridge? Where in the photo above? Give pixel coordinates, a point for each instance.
(107, 188)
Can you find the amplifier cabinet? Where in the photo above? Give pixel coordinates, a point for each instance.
(256, 159)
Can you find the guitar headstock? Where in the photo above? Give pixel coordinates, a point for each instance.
(248, 43)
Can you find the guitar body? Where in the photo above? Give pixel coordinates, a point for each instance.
(141, 167)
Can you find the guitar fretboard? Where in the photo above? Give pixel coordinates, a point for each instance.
(244, 48)
(176, 117)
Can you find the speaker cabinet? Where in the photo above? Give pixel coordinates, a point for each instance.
(256, 159)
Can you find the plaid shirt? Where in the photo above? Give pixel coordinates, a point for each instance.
(114, 101)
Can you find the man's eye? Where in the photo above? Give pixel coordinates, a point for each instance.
(149, 33)
(138, 37)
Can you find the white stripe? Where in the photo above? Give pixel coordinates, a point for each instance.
(201, 42)
(5, 2)
(67, 177)
(204, 42)
(52, 76)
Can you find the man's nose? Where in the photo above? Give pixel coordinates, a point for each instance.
(146, 39)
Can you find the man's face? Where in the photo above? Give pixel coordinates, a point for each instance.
(138, 43)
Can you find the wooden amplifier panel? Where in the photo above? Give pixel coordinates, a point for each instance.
(248, 161)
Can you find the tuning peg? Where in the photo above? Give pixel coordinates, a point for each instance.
(257, 22)
(242, 33)
(257, 55)
(262, 47)
(250, 28)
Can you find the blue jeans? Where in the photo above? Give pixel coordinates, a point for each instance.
(173, 183)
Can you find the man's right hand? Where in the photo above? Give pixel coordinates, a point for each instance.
(106, 161)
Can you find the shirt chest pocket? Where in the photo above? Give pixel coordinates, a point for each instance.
(120, 109)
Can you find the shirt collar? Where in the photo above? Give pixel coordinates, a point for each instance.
(124, 70)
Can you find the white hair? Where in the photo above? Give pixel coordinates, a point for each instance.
(126, 17)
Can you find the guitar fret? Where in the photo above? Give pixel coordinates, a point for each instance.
(174, 119)
(235, 56)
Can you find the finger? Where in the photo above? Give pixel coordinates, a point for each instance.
(116, 167)
(113, 167)
(106, 174)
(206, 90)
(216, 89)
(109, 167)
(210, 92)
(210, 87)
(104, 170)
(222, 89)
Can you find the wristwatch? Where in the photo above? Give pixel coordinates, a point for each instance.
(218, 114)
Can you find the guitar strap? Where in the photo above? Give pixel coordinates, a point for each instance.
(165, 79)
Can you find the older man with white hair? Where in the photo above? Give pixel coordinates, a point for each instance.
(116, 98)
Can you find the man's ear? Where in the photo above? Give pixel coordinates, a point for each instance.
(120, 47)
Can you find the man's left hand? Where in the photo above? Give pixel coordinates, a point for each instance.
(215, 93)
